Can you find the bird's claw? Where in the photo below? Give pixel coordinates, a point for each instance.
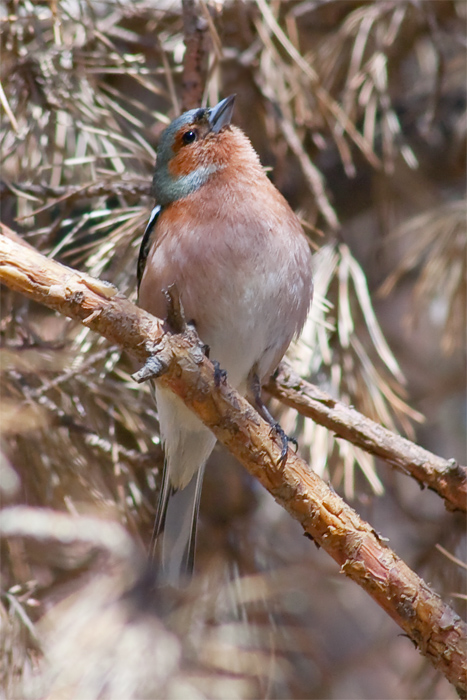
(220, 375)
(294, 442)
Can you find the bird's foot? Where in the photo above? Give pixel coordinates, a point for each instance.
(220, 375)
(285, 440)
(153, 368)
(155, 365)
(255, 387)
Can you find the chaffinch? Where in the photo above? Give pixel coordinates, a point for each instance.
(229, 241)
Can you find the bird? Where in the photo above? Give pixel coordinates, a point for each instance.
(235, 250)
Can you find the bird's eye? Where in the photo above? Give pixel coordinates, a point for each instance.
(189, 136)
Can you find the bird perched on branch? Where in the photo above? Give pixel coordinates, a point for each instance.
(224, 235)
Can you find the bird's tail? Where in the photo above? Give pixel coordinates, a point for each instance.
(188, 444)
(174, 536)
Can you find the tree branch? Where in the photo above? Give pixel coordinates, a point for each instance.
(444, 476)
(431, 624)
(195, 61)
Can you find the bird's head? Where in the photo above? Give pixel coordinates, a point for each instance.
(192, 148)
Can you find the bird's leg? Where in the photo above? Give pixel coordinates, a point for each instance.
(176, 319)
(255, 386)
(175, 313)
(177, 322)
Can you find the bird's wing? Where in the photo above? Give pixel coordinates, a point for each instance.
(146, 242)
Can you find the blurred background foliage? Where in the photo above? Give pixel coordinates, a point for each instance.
(359, 111)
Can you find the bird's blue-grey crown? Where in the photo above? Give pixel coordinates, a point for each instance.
(167, 188)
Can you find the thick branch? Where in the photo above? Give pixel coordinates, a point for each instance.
(444, 476)
(432, 625)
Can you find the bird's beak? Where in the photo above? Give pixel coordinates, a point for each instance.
(221, 114)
